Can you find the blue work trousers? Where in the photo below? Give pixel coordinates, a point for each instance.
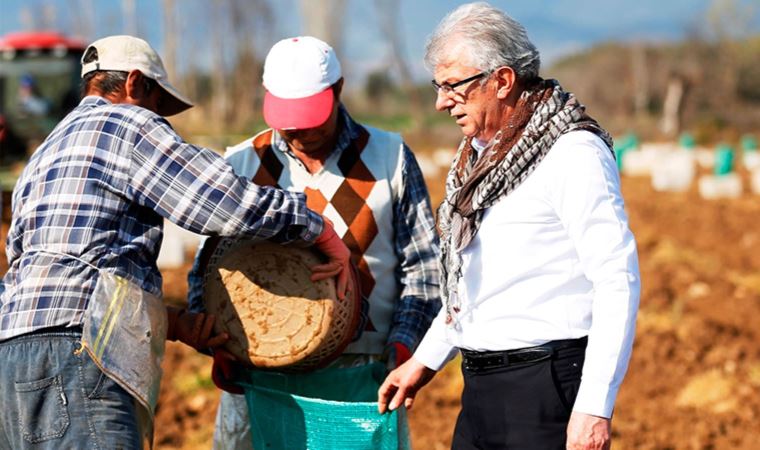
(53, 397)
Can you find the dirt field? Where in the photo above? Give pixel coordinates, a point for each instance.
(694, 378)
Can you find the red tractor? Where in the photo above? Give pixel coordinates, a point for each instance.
(39, 84)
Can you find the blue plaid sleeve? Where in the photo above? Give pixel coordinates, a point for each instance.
(198, 190)
(416, 244)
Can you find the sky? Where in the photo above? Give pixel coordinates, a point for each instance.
(557, 27)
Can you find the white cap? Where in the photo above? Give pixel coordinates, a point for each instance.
(298, 74)
(127, 53)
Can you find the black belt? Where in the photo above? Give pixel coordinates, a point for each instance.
(479, 361)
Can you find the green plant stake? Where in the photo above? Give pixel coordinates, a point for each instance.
(686, 141)
(749, 143)
(724, 160)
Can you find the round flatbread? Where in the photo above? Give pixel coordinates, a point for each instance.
(275, 315)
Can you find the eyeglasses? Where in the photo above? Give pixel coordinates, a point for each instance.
(448, 88)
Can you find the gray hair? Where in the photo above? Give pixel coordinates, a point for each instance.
(106, 81)
(493, 39)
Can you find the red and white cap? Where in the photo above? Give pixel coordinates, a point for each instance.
(298, 75)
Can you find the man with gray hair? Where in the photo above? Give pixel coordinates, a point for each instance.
(540, 277)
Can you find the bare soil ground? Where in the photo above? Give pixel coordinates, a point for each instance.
(694, 378)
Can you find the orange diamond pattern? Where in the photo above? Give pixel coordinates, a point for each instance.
(270, 168)
(315, 200)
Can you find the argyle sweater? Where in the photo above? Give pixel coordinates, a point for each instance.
(357, 189)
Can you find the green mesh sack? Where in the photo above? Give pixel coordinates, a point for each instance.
(333, 408)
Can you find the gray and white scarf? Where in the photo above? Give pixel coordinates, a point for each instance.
(476, 182)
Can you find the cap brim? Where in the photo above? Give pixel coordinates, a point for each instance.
(174, 102)
(298, 113)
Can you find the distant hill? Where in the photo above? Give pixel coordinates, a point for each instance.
(625, 86)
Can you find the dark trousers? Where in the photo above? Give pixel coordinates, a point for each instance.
(521, 406)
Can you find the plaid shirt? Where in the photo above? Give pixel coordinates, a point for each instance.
(99, 188)
(416, 244)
